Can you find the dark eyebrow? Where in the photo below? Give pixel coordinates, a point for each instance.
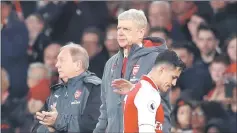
(175, 77)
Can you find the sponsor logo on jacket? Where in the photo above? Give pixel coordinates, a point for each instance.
(158, 126)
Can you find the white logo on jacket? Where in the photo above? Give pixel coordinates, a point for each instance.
(158, 126)
(152, 106)
(56, 96)
(75, 102)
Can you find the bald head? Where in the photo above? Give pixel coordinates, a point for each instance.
(159, 14)
(72, 61)
(50, 55)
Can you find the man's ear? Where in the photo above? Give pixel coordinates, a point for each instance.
(41, 25)
(78, 65)
(142, 33)
(160, 69)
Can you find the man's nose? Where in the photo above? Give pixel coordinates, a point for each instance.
(120, 32)
(57, 65)
(174, 82)
(205, 42)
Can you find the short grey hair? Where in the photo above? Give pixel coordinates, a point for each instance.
(78, 53)
(40, 76)
(137, 16)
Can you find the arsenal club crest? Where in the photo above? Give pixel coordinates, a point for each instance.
(77, 94)
(135, 69)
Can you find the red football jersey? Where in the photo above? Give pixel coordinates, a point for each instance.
(142, 109)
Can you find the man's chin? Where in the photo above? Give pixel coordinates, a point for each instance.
(61, 76)
(164, 89)
(123, 45)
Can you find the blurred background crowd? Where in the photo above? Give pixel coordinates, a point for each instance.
(203, 34)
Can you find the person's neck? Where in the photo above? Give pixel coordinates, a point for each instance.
(32, 39)
(189, 65)
(207, 58)
(185, 127)
(220, 85)
(65, 79)
(72, 76)
(127, 49)
(152, 77)
(198, 130)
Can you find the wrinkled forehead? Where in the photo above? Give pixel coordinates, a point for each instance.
(65, 52)
(127, 23)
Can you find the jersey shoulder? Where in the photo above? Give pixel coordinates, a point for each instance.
(147, 93)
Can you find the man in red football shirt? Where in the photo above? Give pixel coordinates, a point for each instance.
(143, 111)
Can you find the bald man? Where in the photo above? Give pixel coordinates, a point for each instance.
(73, 105)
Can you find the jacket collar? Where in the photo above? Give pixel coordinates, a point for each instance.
(74, 80)
(133, 49)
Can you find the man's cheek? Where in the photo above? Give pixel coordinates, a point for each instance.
(127, 35)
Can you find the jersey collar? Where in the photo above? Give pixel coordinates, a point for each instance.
(149, 80)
